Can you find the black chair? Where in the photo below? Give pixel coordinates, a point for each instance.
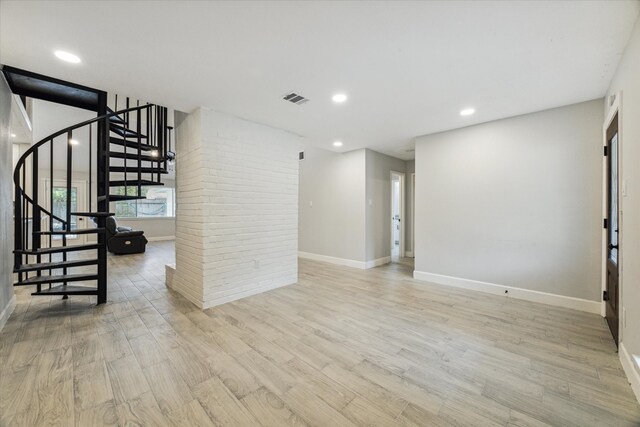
(124, 240)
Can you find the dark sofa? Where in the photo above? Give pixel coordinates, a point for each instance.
(124, 240)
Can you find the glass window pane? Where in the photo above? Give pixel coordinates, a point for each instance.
(159, 202)
(613, 212)
(59, 208)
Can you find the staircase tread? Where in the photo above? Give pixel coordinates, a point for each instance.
(56, 279)
(132, 144)
(117, 197)
(67, 290)
(72, 232)
(134, 156)
(123, 131)
(55, 265)
(121, 169)
(60, 249)
(95, 214)
(115, 119)
(133, 183)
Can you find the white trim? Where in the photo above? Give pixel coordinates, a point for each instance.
(631, 369)
(378, 262)
(613, 109)
(413, 215)
(171, 282)
(6, 313)
(518, 293)
(401, 202)
(250, 292)
(144, 218)
(169, 274)
(362, 265)
(333, 260)
(23, 112)
(85, 205)
(408, 254)
(161, 238)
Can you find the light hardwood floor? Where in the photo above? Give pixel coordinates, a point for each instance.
(342, 347)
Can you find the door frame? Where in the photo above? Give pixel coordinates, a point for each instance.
(613, 109)
(413, 214)
(82, 188)
(402, 210)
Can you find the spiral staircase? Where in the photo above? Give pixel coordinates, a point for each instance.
(128, 149)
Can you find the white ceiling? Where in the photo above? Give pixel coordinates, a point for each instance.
(408, 67)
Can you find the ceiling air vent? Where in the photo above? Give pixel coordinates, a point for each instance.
(295, 98)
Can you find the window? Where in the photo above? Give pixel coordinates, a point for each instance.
(159, 202)
(59, 209)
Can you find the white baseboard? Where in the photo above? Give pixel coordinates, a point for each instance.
(6, 313)
(378, 262)
(169, 274)
(161, 239)
(630, 369)
(518, 293)
(250, 292)
(362, 265)
(333, 260)
(408, 254)
(174, 284)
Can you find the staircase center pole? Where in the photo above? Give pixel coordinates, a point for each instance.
(102, 190)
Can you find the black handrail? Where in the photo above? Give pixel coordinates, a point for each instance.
(20, 163)
(27, 204)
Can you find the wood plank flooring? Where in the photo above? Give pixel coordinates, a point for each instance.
(342, 347)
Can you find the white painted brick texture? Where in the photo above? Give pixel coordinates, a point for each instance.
(237, 217)
(190, 167)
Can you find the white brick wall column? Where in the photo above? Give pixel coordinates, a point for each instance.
(237, 208)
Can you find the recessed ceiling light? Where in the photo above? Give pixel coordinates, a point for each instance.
(337, 144)
(74, 142)
(66, 56)
(154, 153)
(467, 111)
(339, 98)
(13, 135)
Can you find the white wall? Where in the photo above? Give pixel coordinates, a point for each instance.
(378, 203)
(7, 299)
(48, 118)
(191, 173)
(332, 213)
(515, 202)
(627, 81)
(155, 229)
(345, 206)
(237, 217)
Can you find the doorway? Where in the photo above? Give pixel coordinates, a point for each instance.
(56, 203)
(397, 215)
(612, 283)
(412, 223)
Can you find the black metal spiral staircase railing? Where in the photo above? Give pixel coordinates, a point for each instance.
(127, 149)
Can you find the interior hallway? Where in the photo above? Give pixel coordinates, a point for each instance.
(342, 347)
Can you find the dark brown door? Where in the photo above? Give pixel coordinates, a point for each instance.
(612, 296)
